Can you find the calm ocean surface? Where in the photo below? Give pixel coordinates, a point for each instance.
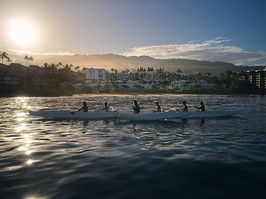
(115, 159)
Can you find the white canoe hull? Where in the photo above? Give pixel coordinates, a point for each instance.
(142, 116)
(149, 116)
(66, 114)
(211, 114)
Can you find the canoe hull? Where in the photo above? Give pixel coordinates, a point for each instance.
(149, 116)
(143, 116)
(66, 114)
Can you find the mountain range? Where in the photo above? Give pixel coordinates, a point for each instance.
(121, 63)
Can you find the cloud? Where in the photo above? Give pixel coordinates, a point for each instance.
(209, 50)
(24, 52)
(17, 56)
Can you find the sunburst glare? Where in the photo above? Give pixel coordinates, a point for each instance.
(22, 32)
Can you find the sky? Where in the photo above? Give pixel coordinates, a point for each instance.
(213, 30)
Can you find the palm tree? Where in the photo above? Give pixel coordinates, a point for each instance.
(30, 59)
(71, 66)
(179, 71)
(27, 59)
(4, 55)
(77, 68)
(9, 60)
(45, 65)
(59, 65)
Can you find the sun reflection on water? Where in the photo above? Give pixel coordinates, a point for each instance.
(35, 197)
(22, 148)
(21, 127)
(27, 139)
(26, 149)
(29, 162)
(20, 119)
(21, 103)
(20, 116)
(28, 152)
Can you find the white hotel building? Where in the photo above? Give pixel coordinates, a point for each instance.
(96, 74)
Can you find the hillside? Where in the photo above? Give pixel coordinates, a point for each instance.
(121, 63)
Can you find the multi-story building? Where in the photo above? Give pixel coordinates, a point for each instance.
(257, 79)
(96, 74)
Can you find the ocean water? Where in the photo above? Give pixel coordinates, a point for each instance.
(211, 158)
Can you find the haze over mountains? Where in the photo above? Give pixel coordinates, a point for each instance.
(121, 63)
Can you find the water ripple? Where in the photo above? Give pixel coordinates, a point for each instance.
(121, 159)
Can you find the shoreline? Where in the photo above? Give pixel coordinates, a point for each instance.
(136, 94)
(131, 94)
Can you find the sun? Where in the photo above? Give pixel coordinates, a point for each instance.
(22, 32)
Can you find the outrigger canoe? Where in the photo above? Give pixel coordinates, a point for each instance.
(67, 114)
(142, 116)
(148, 116)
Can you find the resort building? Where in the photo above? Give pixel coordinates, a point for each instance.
(257, 79)
(122, 76)
(132, 83)
(178, 84)
(96, 74)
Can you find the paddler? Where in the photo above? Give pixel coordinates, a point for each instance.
(84, 108)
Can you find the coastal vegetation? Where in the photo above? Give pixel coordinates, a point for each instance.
(4, 56)
(65, 79)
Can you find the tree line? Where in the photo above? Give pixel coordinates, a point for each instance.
(66, 79)
(47, 80)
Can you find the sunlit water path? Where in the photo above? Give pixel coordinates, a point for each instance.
(211, 158)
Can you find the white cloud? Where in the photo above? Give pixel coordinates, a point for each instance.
(17, 56)
(24, 52)
(210, 50)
